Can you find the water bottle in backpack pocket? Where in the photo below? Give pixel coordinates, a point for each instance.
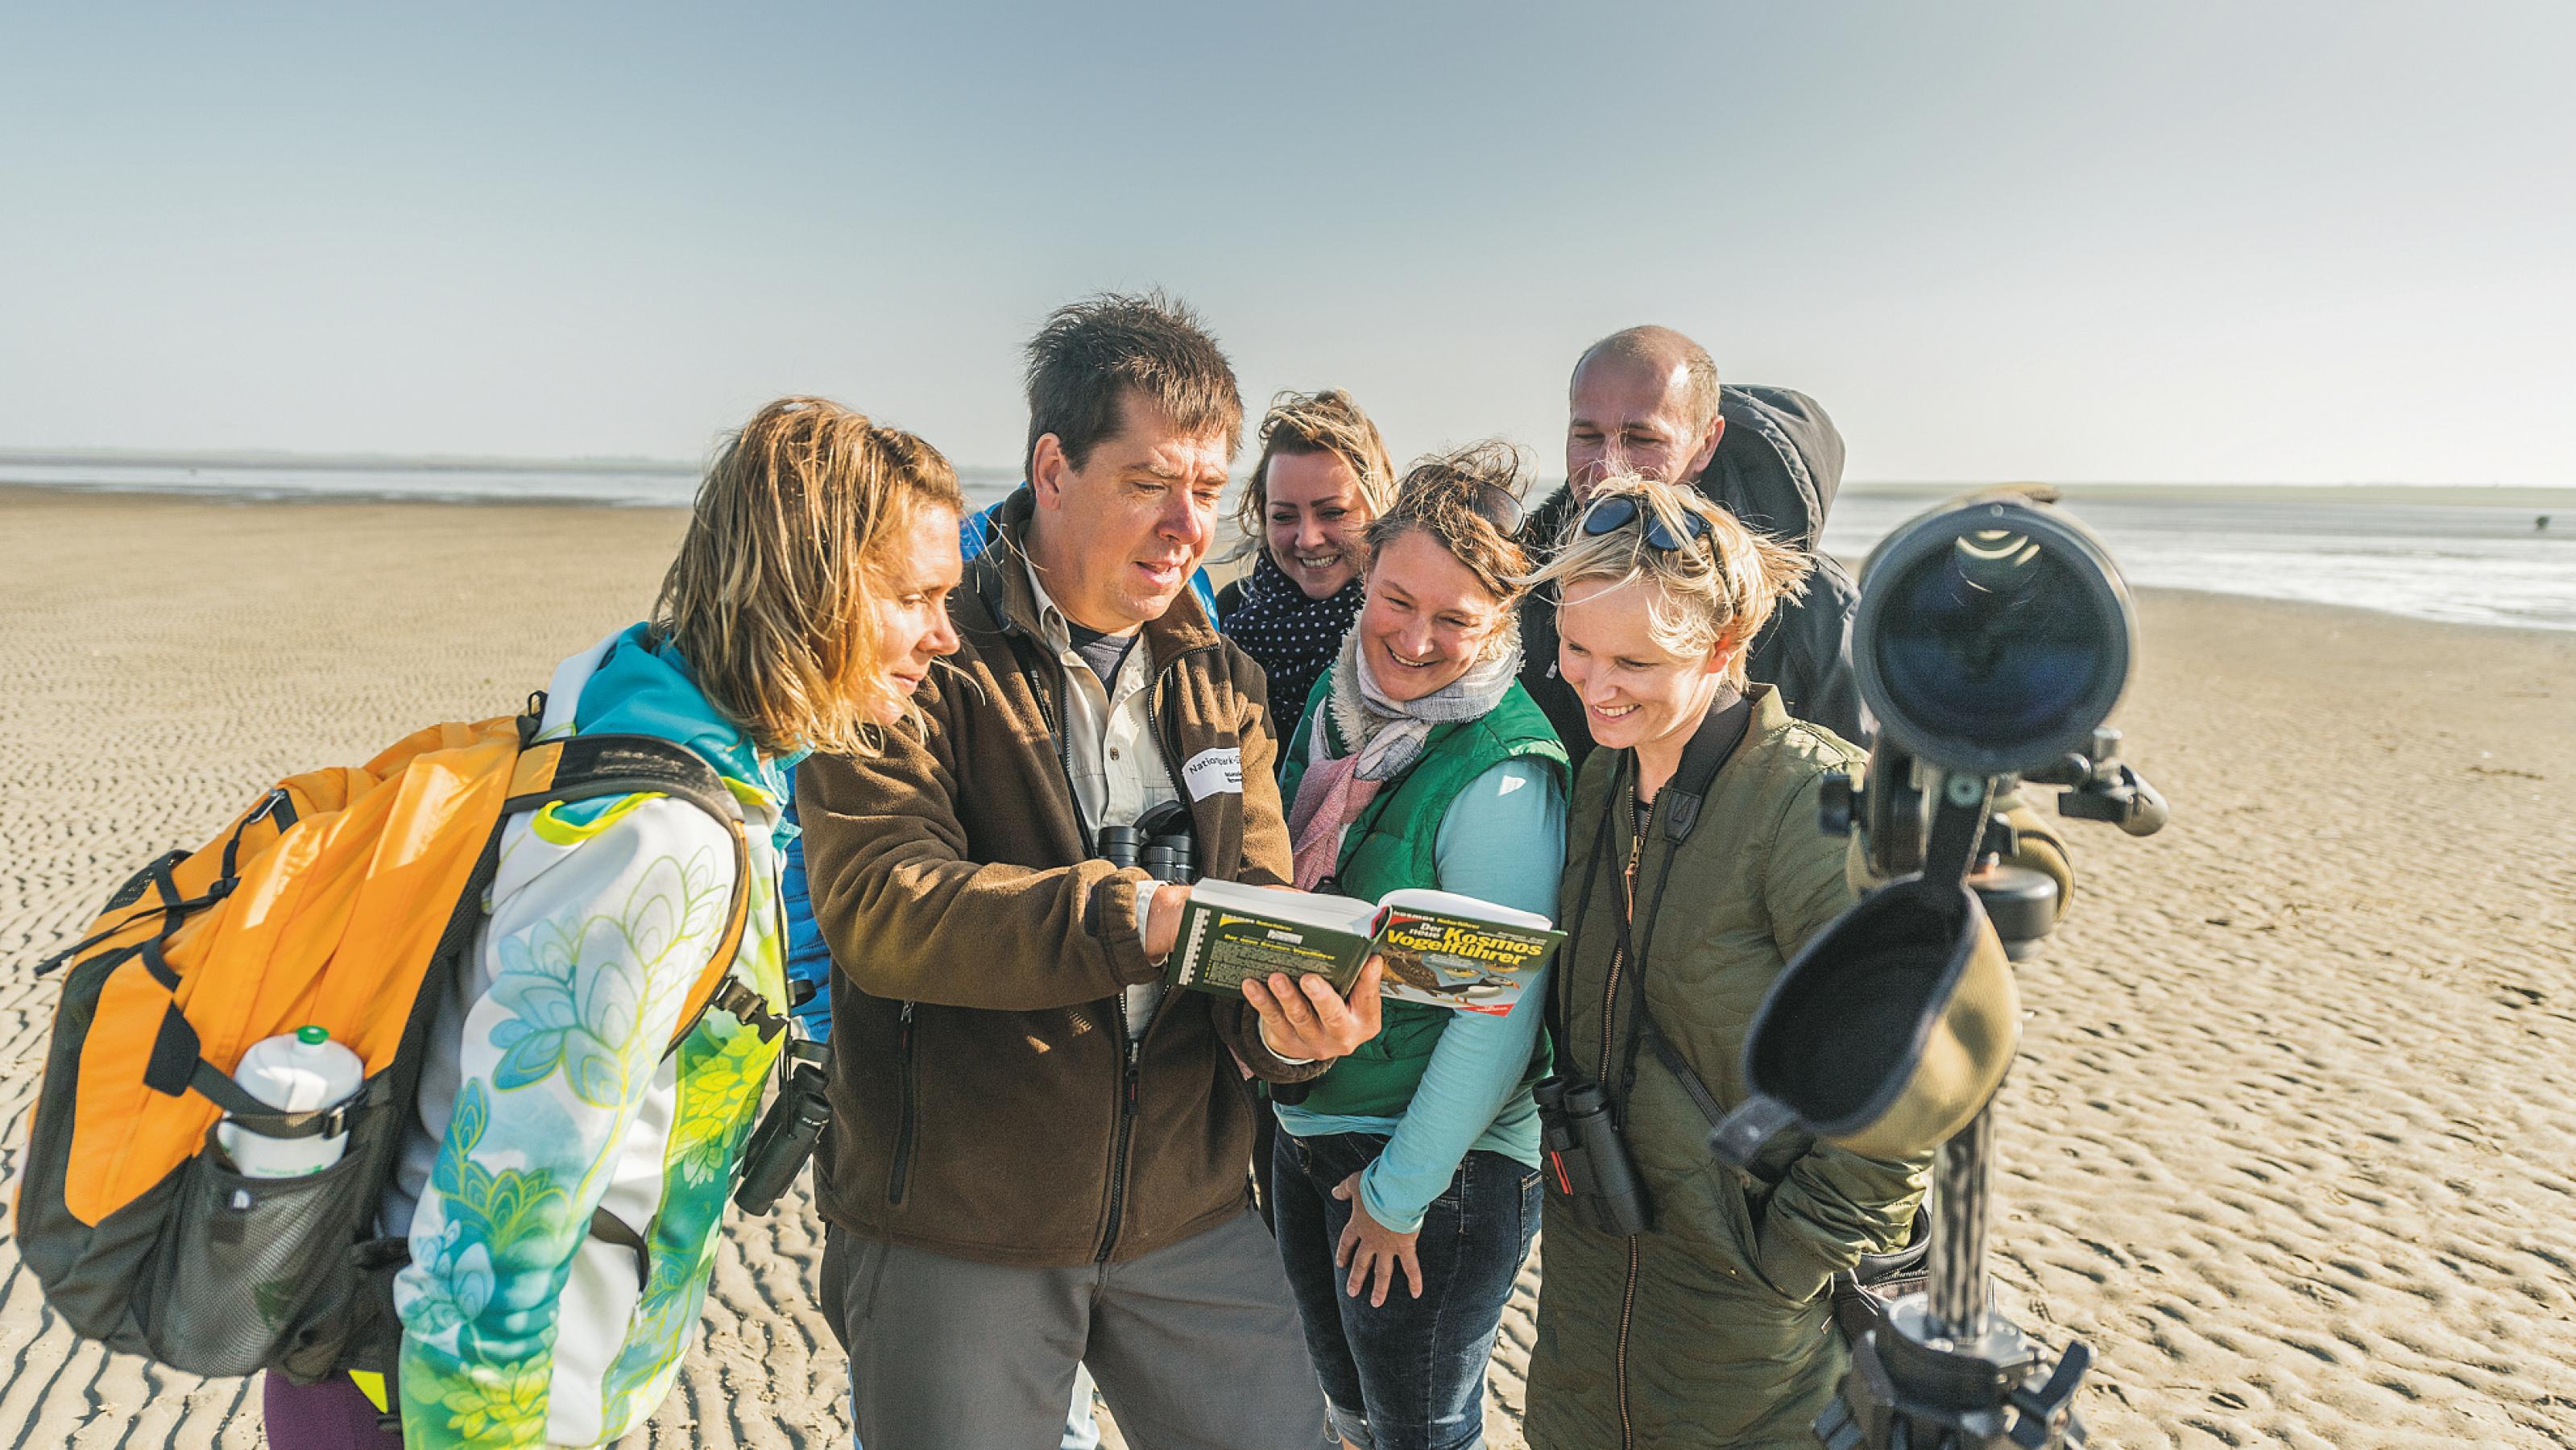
(301, 1072)
(262, 1219)
(197, 1187)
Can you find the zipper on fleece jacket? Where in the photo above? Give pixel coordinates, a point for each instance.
(1120, 1141)
(1129, 1079)
(1609, 1010)
(903, 1131)
(1116, 1015)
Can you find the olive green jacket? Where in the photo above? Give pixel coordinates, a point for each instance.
(1713, 1327)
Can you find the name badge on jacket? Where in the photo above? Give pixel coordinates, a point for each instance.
(1214, 772)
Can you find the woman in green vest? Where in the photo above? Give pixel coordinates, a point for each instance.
(1406, 1180)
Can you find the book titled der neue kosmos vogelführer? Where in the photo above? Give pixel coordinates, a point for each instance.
(1440, 947)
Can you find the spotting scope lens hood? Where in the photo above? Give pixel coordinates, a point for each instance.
(1992, 635)
(1887, 1033)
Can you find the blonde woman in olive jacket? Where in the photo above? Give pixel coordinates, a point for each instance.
(1713, 1328)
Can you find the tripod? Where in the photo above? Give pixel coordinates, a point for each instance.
(1944, 1371)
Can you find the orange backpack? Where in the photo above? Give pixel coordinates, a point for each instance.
(348, 898)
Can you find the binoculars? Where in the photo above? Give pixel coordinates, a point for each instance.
(1587, 1157)
(1160, 842)
(788, 1132)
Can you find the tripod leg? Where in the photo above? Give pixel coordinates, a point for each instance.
(1961, 1300)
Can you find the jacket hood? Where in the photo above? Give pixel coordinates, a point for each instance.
(1779, 463)
(1777, 468)
(634, 683)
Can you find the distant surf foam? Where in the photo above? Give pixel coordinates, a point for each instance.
(641, 484)
(2463, 564)
(2468, 563)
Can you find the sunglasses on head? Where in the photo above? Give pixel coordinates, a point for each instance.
(1499, 508)
(1622, 509)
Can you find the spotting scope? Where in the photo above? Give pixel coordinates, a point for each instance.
(1992, 639)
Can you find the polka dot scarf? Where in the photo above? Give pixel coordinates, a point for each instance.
(1293, 638)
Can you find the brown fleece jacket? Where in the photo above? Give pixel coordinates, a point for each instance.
(983, 1101)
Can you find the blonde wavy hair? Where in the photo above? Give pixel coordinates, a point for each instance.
(1320, 422)
(1717, 589)
(773, 598)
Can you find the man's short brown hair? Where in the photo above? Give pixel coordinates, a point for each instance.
(1091, 352)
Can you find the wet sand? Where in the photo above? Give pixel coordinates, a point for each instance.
(2290, 1143)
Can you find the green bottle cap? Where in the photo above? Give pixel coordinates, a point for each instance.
(312, 1036)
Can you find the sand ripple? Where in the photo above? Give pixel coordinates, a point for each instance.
(2290, 1142)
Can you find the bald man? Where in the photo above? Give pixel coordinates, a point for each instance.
(1648, 400)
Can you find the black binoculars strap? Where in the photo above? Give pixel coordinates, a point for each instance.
(1711, 746)
(1674, 1063)
(1640, 1017)
(1560, 984)
(1034, 672)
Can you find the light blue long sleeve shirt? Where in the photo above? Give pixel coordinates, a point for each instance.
(1502, 839)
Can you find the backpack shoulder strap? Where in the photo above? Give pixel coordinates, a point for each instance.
(587, 767)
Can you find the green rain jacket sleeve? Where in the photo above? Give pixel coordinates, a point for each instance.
(1833, 1206)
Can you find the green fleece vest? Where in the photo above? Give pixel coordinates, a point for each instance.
(1394, 845)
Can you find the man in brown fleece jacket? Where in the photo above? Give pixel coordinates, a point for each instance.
(1036, 1159)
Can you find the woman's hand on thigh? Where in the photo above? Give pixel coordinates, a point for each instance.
(1372, 1250)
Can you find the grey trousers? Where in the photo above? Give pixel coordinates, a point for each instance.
(1195, 1346)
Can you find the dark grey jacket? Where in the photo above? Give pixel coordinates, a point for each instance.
(1777, 469)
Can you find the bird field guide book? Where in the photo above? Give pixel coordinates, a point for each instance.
(1440, 947)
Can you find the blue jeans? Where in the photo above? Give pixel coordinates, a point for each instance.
(1408, 1374)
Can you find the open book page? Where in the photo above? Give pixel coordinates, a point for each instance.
(1447, 950)
(1459, 904)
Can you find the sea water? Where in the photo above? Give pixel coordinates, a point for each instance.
(2468, 561)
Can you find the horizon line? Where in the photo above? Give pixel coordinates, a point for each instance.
(294, 460)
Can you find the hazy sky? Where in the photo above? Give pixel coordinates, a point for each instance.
(2265, 241)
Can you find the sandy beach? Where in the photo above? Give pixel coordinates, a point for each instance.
(2290, 1144)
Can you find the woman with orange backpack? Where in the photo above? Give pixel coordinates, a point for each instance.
(565, 1179)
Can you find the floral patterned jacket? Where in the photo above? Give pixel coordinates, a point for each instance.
(549, 1094)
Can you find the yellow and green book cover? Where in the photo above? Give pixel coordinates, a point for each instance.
(1440, 947)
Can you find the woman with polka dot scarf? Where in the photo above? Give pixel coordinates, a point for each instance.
(1322, 476)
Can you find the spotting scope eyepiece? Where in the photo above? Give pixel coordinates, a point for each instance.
(1992, 635)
